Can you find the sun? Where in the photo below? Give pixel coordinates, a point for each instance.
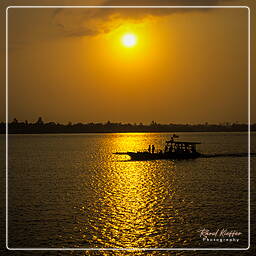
(129, 40)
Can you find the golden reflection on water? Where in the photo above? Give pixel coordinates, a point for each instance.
(132, 202)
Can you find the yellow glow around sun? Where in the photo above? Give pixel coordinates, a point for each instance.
(129, 40)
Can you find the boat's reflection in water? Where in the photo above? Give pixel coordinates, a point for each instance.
(131, 205)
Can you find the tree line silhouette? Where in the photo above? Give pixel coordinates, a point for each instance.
(52, 127)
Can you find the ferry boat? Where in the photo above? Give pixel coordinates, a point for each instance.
(172, 150)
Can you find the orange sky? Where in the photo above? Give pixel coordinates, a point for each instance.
(188, 66)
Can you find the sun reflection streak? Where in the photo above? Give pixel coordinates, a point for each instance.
(131, 201)
(133, 205)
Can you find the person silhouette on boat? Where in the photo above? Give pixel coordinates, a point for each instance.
(153, 149)
(165, 148)
(149, 149)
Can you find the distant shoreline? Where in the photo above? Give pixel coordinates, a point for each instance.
(171, 132)
(41, 127)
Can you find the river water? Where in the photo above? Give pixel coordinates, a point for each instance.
(70, 191)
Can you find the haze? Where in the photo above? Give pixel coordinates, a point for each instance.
(186, 67)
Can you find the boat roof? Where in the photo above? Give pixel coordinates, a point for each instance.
(183, 142)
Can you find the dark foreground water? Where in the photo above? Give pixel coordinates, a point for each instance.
(71, 191)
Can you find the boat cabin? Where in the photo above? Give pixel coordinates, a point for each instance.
(180, 146)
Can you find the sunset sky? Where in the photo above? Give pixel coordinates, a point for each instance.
(183, 65)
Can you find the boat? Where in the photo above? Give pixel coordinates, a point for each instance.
(172, 150)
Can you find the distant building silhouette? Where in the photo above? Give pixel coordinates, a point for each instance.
(40, 121)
